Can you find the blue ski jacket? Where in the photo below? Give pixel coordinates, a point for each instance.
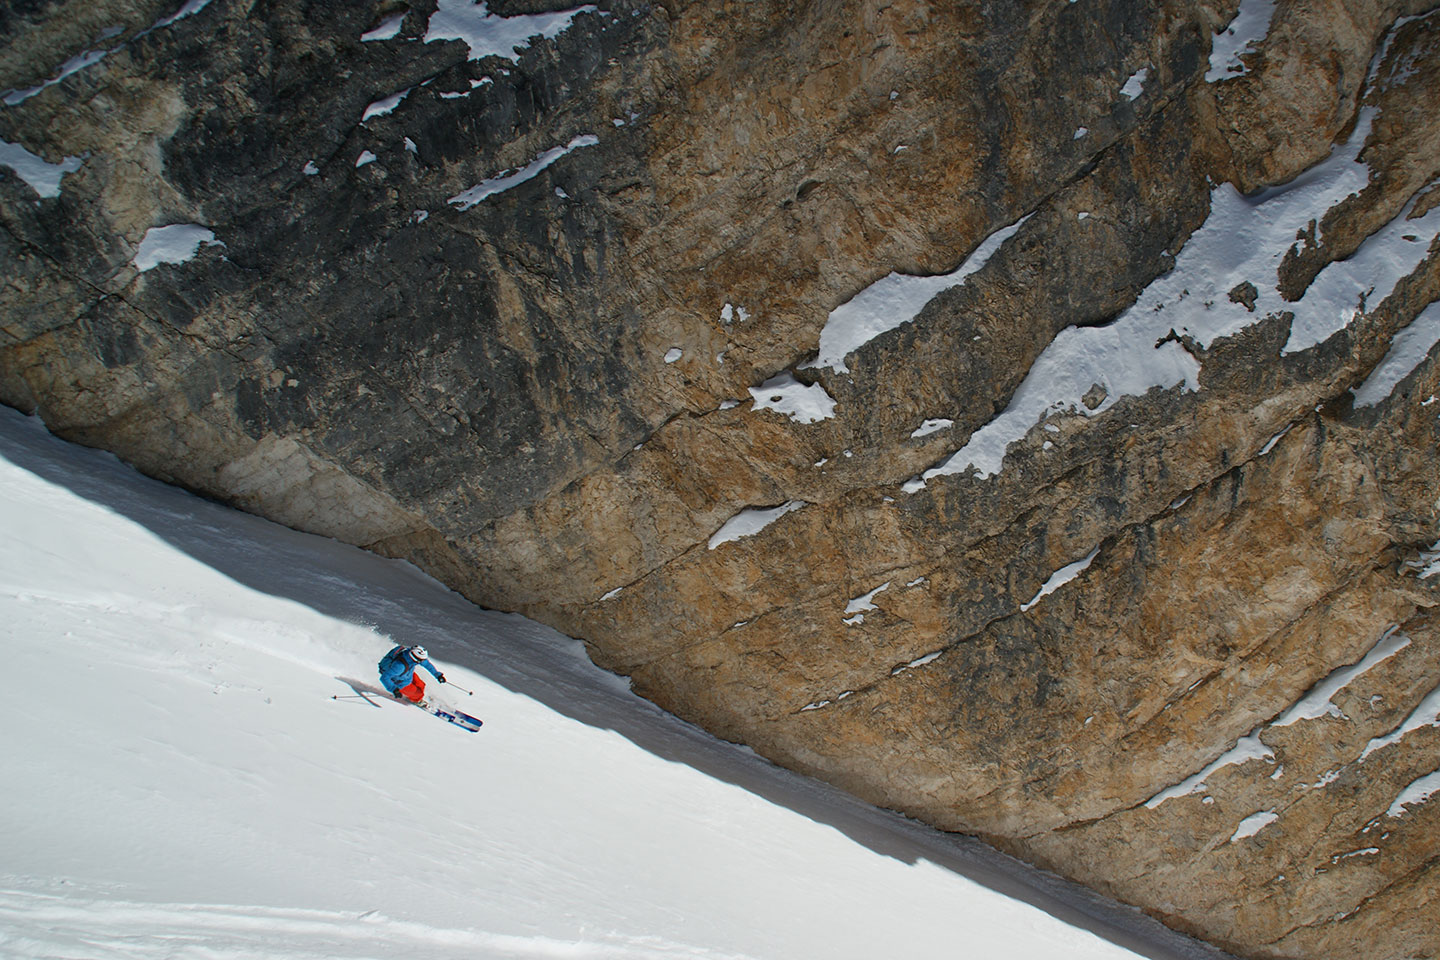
(397, 668)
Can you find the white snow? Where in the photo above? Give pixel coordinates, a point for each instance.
(1407, 350)
(1136, 84)
(489, 35)
(730, 313)
(895, 300)
(1425, 714)
(1428, 563)
(1243, 239)
(803, 403)
(1061, 577)
(384, 105)
(1274, 440)
(310, 169)
(505, 181)
(89, 58)
(190, 8)
(175, 243)
(42, 177)
(1247, 748)
(365, 157)
(1253, 824)
(917, 662)
(612, 594)
(1080, 132)
(190, 789)
(931, 426)
(673, 354)
(75, 64)
(389, 28)
(863, 602)
(1244, 34)
(1317, 702)
(1415, 794)
(751, 521)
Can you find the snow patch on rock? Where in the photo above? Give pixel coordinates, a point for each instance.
(751, 521)
(175, 243)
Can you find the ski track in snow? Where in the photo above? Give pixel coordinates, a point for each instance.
(192, 790)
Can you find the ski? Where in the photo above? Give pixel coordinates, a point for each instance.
(462, 720)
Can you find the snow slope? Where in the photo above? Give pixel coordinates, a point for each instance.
(181, 784)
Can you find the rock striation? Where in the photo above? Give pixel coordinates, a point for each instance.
(1023, 415)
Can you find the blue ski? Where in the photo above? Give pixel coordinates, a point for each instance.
(462, 720)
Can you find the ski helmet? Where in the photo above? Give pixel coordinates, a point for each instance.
(419, 653)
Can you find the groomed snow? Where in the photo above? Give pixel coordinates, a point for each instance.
(506, 181)
(175, 243)
(182, 784)
(43, 177)
(1407, 351)
(751, 521)
(490, 35)
(801, 402)
(1243, 35)
(894, 300)
(1317, 702)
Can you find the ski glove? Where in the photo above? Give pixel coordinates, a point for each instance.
(442, 678)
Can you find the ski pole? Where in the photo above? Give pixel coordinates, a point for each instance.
(469, 693)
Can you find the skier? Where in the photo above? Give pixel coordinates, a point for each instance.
(398, 673)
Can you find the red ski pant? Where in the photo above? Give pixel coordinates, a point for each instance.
(415, 690)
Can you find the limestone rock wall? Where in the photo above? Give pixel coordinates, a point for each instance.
(1119, 547)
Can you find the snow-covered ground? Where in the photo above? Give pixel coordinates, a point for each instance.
(180, 782)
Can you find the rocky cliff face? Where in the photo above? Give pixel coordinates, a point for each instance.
(1023, 415)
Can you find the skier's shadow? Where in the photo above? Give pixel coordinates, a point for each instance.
(363, 692)
(401, 604)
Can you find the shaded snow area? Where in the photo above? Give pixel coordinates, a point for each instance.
(181, 784)
(894, 300)
(176, 243)
(490, 35)
(751, 521)
(1407, 350)
(801, 402)
(1243, 240)
(513, 178)
(42, 176)
(1243, 35)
